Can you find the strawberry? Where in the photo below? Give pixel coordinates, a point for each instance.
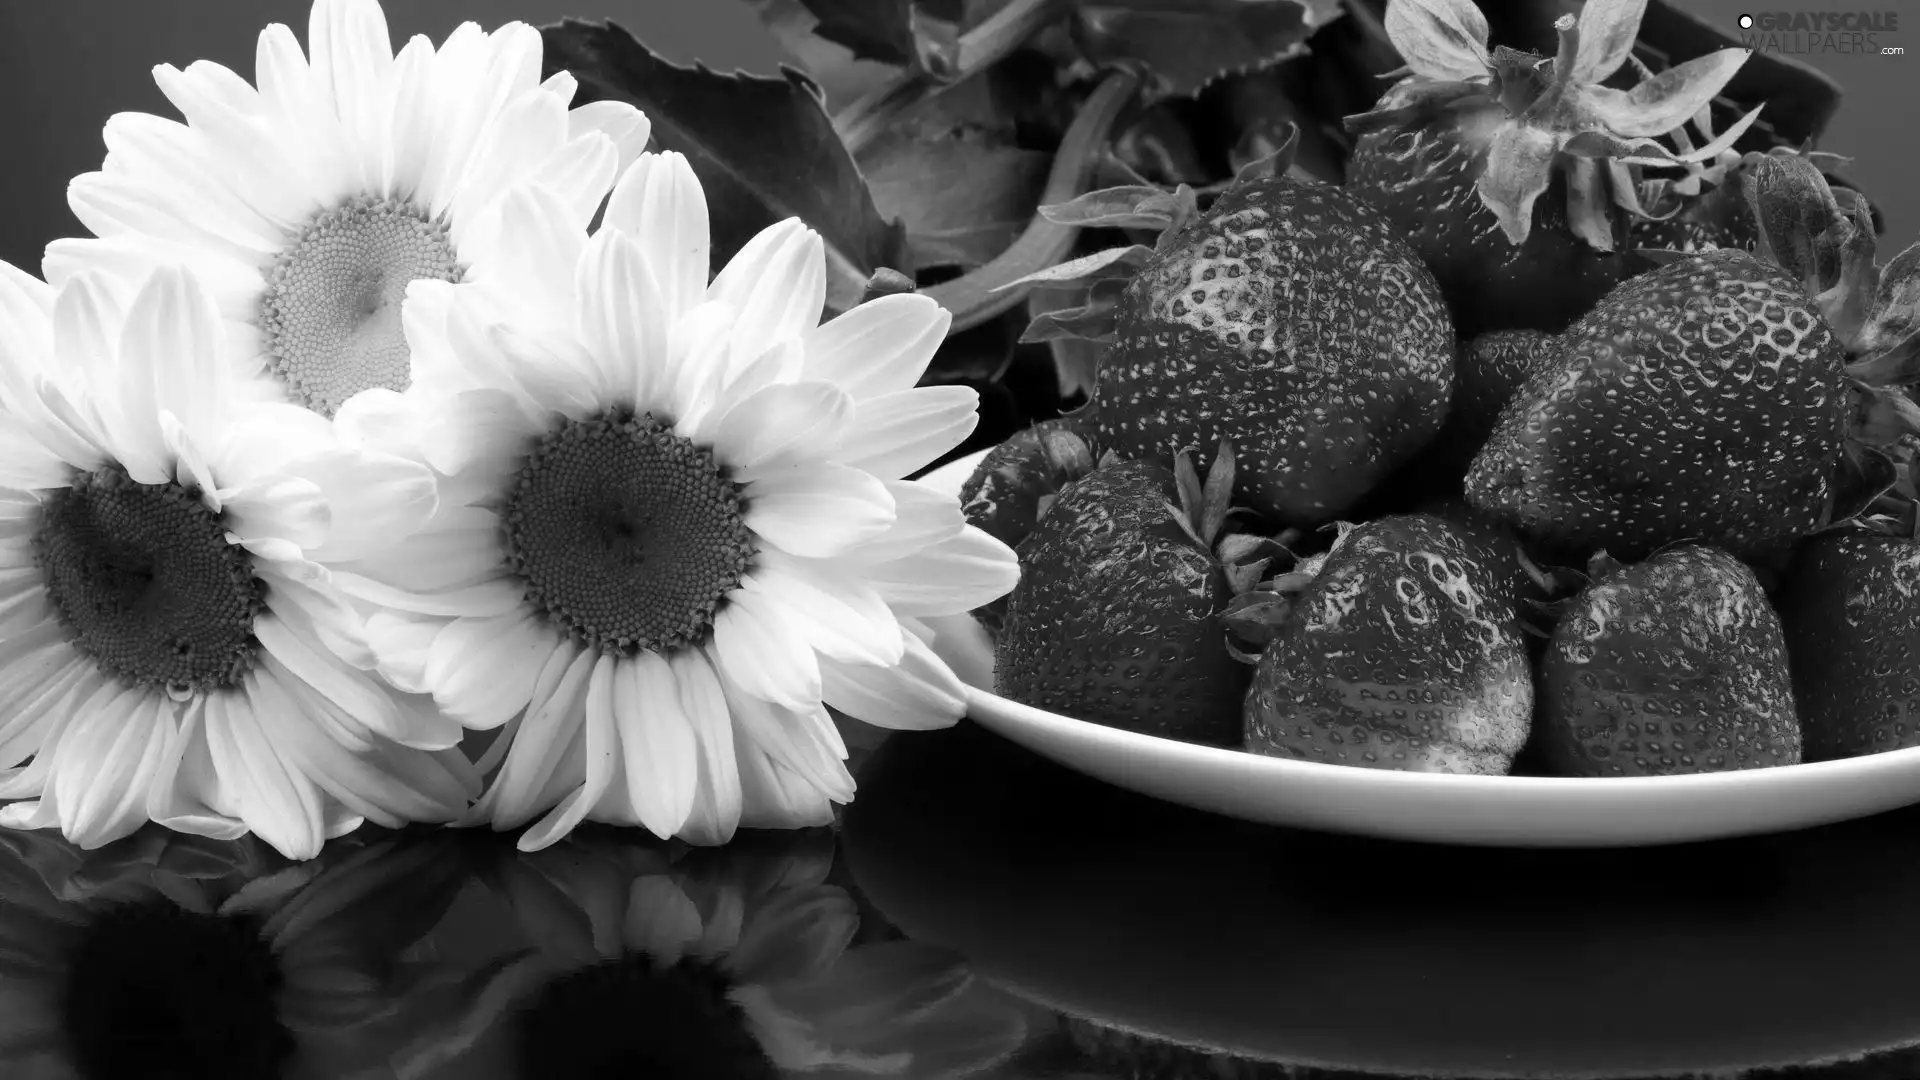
(1672, 665)
(1851, 608)
(1292, 321)
(1014, 484)
(1492, 368)
(1460, 153)
(1714, 399)
(1116, 618)
(1398, 649)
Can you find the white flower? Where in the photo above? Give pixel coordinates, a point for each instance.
(309, 203)
(672, 523)
(171, 645)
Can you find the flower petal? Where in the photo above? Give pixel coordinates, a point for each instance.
(901, 433)
(778, 283)
(554, 720)
(657, 736)
(919, 693)
(839, 615)
(782, 426)
(601, 748)
(880, 347)
(716, 807)
(818, 511)
(660, 203)
(279, 807)
(482, 671)
(761, 652)
(106, 763)
(956, 575)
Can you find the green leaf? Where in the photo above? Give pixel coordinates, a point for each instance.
(763, 148)
(842, 76)
(897, 32)
(963, 201)
(1076, 360)
(1439, 39)
(1112, 263)
(1088, 322)
(1607, 32)
(1182, 46)
(1128, 207)
(1670, 98)
(1894, 320)
(1519, 168)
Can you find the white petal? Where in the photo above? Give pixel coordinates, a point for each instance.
(880, 347)
(483, 671)
(279, 807)
(659, 202)
(762, 652)
(106, 761)
(580, 173)
(818, 511)
(803, 740)
(658, 739)
(778, 283)
(625, 125)
(482, 430)
(900, 433)
(716, 807)
(922, 517)
(554, 719)
(390, 786)
(955, 575)
(623, 321)
(291, 508)
(528, 244)
(460, 547)
(321, 611)
(782, 426)
(839, 615)
(602, 744)
(374, 500)
(168, 357)
(920, 693)
(186, 795)
(357, 695)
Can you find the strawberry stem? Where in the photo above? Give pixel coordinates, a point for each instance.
(983, 294)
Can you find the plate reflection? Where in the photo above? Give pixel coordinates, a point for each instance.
(1183, 944)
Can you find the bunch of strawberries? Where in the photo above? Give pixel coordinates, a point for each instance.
(1560, 438)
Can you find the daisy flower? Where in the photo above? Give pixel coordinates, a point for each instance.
(673, 531)
(308, 203)
(740, 962)
(190, 957)
(171, 645)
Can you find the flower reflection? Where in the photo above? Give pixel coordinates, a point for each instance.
(741, 962)
(168, 955)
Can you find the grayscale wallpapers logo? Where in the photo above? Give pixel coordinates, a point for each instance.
(1860, 33)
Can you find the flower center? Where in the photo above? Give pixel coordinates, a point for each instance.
(146, 584)
(331, 313)
(625, 534)
(158, 991)
(626, 1017)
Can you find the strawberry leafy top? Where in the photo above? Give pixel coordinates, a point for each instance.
(1553, 114)
(1824, 237)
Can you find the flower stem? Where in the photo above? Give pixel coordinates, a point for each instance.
(980, 48)
(978, 296)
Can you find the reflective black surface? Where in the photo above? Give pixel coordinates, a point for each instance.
(979, 913)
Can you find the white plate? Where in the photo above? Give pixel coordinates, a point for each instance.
(1523, 811)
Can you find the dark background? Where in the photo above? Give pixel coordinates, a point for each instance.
(66, 65)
